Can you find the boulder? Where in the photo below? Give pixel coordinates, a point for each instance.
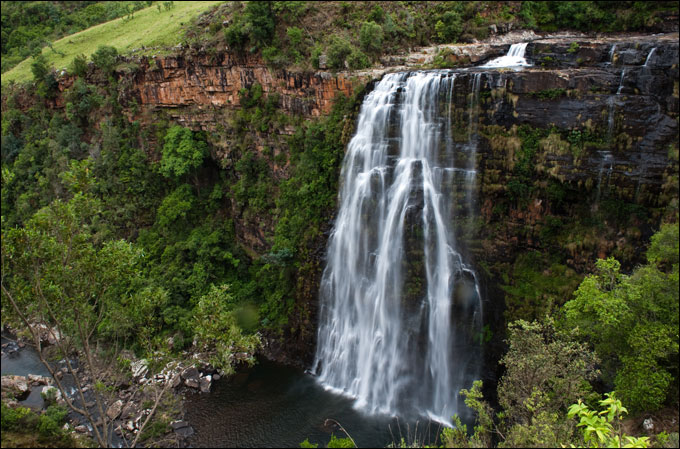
(128, 411)
(191, 383)
(115, 409)
(81, 428)
(648, 425)
(47, 391)
(139, 368)
(191, 373)
(40, 380)
(206, 383)
(17, 386)
(176, 381)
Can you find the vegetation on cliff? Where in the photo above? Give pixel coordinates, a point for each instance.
(131, 228)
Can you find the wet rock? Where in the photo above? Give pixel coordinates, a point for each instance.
(47, 390)
(205, 384)
(216, 377)
(190, 373)
(182, 428)
(191, 383)
(115, 409)
(128, 411)
(17, 386)
(82, 429)
(139, 368)
(176, 381)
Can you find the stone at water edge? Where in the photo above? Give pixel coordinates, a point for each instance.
(191, 383)
(191, 373)
(648, 424)
(139, 368)
(17, 385)
(115, 409)
(206, 383)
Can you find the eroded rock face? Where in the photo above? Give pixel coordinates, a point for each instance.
(212, 82)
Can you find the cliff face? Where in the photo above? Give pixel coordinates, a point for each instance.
(577, 156)
(205, 83)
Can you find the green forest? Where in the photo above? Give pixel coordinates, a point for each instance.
(194, 235)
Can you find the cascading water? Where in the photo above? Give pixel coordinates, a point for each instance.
(611, 102)
(400, 308)
(514, 58)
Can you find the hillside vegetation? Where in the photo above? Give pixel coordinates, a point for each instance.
(153, 26)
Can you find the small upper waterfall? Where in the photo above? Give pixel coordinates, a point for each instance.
(514, 58)
(612, 51)
(649, 56)
(400, 307)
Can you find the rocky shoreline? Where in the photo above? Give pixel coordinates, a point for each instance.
(130, 404)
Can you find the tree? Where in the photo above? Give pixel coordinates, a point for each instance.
(371, 38)
(60, 276)
(216, 329)
(105, 58)
(182, 152)
(633, 322)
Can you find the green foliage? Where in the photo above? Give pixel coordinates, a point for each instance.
(449, 27)
(51, 421)
(79, 66)
(546, 370)
(371, 38)
(307, 444)
(340, 442)
(602, 429)
(573, 48)
(338, 50)
(216, 329)
(358, 60)
(183, 151)
(621, 315)
(105, 58)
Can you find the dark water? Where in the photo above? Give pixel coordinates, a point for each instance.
(277, 406)
(22, 362)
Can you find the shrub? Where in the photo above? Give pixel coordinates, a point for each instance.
(371, 37)
(182, 152)
(358, 60)
(338, 50)
(105, 58)
(79, 66)
(449, 27)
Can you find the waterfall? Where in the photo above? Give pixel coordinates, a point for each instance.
(514, 58)
(611, 54)
(610, 101)
(400, 308)
(606, 158)
(649, 56)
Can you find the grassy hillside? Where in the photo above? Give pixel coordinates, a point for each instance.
(148, 27)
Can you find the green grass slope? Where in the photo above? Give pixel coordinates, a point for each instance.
(148, 27)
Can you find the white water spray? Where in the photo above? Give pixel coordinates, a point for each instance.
(514, 58)
(400, 314)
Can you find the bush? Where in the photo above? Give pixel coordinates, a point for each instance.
(358, 60)
(449, 27)
(182, 152)
(633, 322)
(371, 38)
(338, 50)
(79, 66)
(105, 58)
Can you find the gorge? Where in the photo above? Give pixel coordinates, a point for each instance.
(375, 234)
